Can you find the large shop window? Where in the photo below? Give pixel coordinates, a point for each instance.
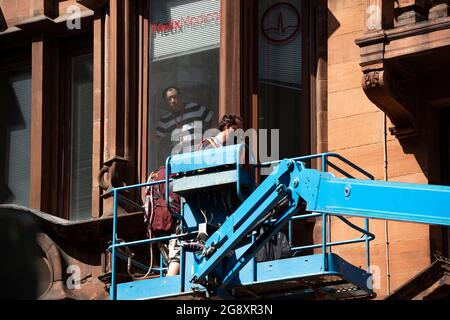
(81, 137)
(15, 136)
(184, 53)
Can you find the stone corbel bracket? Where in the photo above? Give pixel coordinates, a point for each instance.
(113, 175)
(394, 93)
(115, 169)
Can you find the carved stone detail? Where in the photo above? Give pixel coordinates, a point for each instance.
(114, 175)
(372, 79)
(393, 57)
(393, 93)
(115, 168)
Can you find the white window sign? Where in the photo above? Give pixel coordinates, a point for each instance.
(180, 27)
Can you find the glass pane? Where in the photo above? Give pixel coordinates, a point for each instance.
(15, 136)
(184, 45)
(81, 138)
(280, 75)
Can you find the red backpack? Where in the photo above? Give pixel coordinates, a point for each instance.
(157, 216)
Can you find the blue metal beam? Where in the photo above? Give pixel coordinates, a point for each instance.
(407, 202)
(327, 194)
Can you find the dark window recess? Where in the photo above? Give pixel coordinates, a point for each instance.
(15, 136)
(81, 137)
(283, 97)
(445, 169)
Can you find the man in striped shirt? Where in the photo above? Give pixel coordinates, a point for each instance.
(184, 123)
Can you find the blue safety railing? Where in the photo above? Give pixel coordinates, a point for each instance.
(325, 245)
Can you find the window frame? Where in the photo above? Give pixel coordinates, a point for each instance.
(238, 59)
(218, 112)
(243, 39)
(69, 48)
(304, 91)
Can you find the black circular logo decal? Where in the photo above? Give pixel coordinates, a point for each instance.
(280, 23)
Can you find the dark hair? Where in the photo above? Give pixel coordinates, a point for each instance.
(164, 94)
(228, 120)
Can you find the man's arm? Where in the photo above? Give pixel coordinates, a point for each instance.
(158, 134)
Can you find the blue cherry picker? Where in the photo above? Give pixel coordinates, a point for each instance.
(225, 266)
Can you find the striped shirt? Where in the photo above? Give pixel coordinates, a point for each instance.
(185, 127)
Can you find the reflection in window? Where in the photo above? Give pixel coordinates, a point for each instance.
(15, 136)
(81, 138)
(184, 53)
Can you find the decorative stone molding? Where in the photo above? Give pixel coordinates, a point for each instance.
(114, 174)
(115, 169)
(371, 79)
(393, 93)
(396, 54)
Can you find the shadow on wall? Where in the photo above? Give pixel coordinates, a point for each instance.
(333, 24)
(19, 252)
(48, 258)
(429, 144)
(3, 24)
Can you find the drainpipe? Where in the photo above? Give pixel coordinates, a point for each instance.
(319, 87)
(386, 222)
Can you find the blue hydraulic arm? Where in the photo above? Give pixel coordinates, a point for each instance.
(247, 217)
(227, 257)
(314, 191)
(407, 202)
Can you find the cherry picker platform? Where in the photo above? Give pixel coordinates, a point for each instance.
(226, 267)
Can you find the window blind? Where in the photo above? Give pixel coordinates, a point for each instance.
(15, 135)
(81, 142)
(280, 42)
(181, 27)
